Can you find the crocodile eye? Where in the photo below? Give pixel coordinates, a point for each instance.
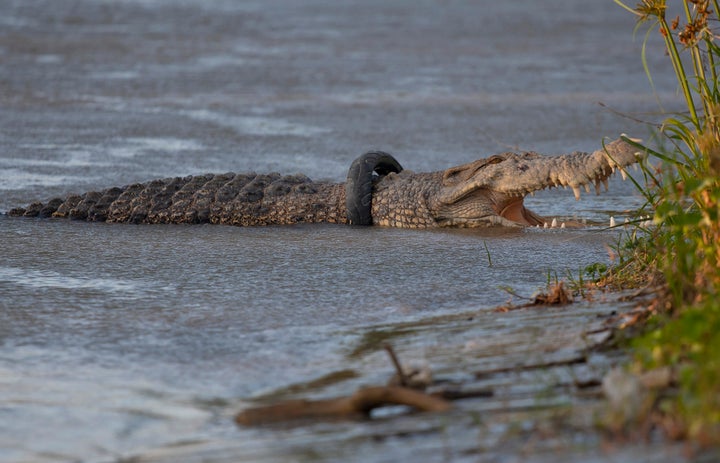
(465, 172)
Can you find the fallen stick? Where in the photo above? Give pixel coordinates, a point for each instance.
(402, 378)
(361, 403)
(580, 358)
(457, 394)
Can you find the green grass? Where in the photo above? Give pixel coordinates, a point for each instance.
(682, 251)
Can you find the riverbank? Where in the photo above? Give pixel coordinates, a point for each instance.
(533, 377)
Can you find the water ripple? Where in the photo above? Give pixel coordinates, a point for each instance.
(52, 279)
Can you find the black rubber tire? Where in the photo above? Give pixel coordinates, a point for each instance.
(359, 184)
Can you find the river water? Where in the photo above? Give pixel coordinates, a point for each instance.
(119, 341)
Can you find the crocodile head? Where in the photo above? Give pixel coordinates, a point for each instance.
(491, 191)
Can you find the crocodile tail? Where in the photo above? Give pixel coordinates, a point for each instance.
(236, 199)
(359, 184)
(92, 206)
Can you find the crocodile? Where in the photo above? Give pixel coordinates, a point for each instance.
(378, 191)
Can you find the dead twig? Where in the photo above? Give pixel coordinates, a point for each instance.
(402, 378)
(536, 366)
(556, 295)
(361, 403)
(457, 394)
(648, 290)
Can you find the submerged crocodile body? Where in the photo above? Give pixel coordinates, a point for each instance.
(486, 192)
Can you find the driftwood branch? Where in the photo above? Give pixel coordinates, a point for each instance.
(361, 403)
(396, 363)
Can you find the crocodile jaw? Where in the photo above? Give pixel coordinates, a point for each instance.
(491, 191)
(484, 208)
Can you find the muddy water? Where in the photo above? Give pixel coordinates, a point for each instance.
(119, 341)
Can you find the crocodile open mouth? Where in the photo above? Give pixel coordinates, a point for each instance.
(516, 211)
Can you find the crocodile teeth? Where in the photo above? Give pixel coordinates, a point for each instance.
(576, 191)
(554, 223)
(587, 188)
(623, 174)
(597, 187)
(605, 184)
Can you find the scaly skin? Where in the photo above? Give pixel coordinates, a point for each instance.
(487, 192)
